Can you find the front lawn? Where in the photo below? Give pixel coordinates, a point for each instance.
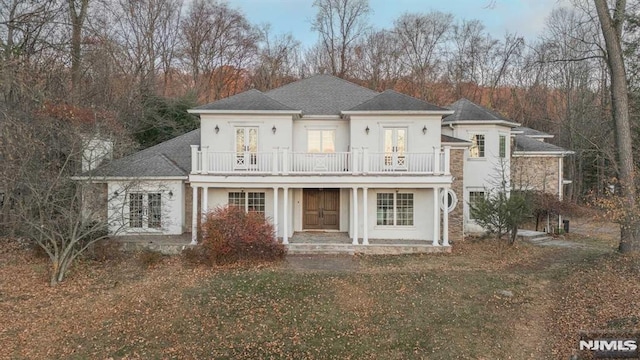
(483, 301)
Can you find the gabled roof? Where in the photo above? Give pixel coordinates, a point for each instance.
(468, 111)
(167, 159)
(391, 100)
(533, 133)
(525, 144)
(248, 100)
(321, 95)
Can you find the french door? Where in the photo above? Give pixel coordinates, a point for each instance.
(321, 209)
(145, 210)
(246, 147)
(395, 148)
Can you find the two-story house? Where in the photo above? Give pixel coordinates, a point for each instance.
(320, 154)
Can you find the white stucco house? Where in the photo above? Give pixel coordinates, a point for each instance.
(323, 155)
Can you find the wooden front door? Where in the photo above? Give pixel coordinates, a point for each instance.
(321, 209)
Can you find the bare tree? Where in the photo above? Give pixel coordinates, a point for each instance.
(612, 23)
(278, 60)
(422, 38)
(340, 23)
(378, 60)
(218, 45)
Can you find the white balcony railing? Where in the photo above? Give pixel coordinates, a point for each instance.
(282, 162)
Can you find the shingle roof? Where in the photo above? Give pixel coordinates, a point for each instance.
(321, 95)
(394, 101)
(531, 132)
(451, 139)
(527, 144)
(466, 110)
(169, 158)
(248, 100)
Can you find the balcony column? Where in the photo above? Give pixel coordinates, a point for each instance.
(436, 216)
(205, 159)
(355, 216)
(275, 210)
(365, 160)
(205, 202)
(274, 169)
(285, 215)
(445, 216)
(365, 219)
(447, 161)
(285, 161)
(436, 160)
(194, 159)
(194, 216)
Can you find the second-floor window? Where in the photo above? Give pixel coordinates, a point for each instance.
(477, 146)
(321, 141)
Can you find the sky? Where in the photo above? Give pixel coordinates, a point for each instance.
(524, 17)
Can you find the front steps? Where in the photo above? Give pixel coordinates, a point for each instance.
(381, 249)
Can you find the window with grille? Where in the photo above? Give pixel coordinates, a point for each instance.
(474, 198)
(503, 146)
(251, 201)
(394, 209)
(477, 146)
(145, 210)
(136, 210)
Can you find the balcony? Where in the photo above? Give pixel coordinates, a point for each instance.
(281, 161)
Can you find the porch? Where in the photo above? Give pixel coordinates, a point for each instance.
(333, 243)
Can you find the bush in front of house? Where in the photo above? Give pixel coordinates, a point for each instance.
(230, 235)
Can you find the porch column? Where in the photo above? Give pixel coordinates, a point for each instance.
(285, 215)
(205, 201)
(445, 217)
(194, 216)
(275, 211)
(365, 219)
(436, 217)
(355, 216)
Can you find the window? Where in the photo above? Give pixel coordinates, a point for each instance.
(474, 197)
(448, 200)
(503, 146)
(477, 146)
(394, 209)
(321, 141)
(252, 201)
(135, 210)
(155, 208)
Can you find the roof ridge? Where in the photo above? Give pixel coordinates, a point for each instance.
(319, 75)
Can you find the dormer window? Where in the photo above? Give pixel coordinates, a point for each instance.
(477, 147)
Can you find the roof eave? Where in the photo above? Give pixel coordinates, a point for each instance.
(246, 112)
(520, 153)
(398, 112)
(456, 144)
(483, 122)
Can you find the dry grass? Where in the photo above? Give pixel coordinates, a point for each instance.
(396, 307)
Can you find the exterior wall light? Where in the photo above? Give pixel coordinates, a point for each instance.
(367, 130)
(424, 130)
(217, 129)
(273, 129)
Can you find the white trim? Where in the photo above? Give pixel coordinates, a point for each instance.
(541, 153)
(365, 218)
(355, 215)
(194, 215)
(483, 122)
(400, 181)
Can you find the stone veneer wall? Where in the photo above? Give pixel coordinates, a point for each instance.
(535, 173)
(456, 217)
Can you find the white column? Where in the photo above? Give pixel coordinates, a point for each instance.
(445, 217)
(355, 216)
(436, 217)
(194, 159)
(205, 159)
(275, 210)
(194, 216)
(205, 201)
(365, 219)
(285, 215)
(436, 160)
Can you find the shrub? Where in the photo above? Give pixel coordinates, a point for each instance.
(150, 258)
(104, 250)
(230, 235)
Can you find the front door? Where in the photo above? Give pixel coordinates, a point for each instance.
(321, 209)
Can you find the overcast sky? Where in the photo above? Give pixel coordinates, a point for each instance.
(524, 17)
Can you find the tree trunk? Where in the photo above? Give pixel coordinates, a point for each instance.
(611, 31)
